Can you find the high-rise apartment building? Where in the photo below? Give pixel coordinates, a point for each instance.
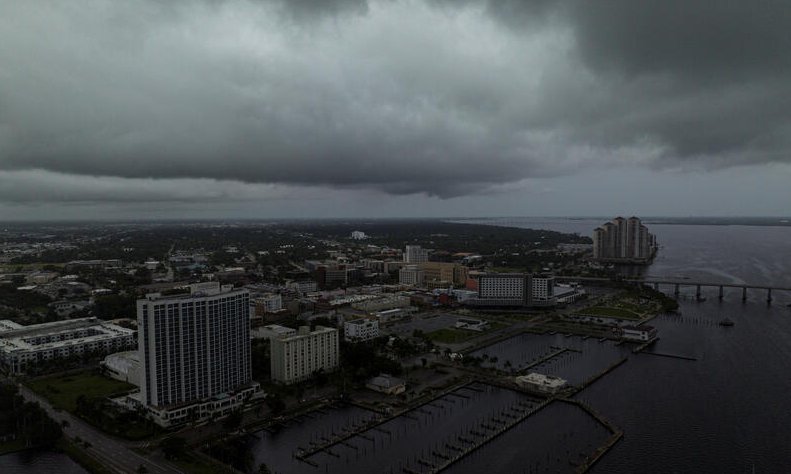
(415, 254)
(624, 240)
(299, 356)
(194, 351)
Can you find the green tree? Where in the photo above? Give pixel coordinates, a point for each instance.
(173, 447)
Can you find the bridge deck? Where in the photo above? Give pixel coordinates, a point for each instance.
(668, 281)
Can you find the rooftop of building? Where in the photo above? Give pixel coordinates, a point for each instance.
(541, 379)
(198, 290)
(22, 338)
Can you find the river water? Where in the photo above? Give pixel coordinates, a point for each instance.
(727, 411)
(724, 412)
(39, 462)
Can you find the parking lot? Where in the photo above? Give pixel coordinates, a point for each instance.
(426, 322)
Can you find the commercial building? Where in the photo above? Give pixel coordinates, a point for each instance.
(25, 346)
(394, 314)
(266, 307)
(195, 353)
(360, 330)
(514, 289)
(382, 303)
(624, 240)
(304, 286)
(415, 254)
(386, 384)
(541, 383)
(299, 356)
(444, 275)
(123, 366)
(358, 235)
(411, 275)
(638, 333)
(477, 325)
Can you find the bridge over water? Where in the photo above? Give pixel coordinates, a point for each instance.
(677, 283)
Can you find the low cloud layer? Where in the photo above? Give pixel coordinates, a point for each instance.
(159, 101)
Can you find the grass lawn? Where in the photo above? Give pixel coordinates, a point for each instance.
(62, 390)
(197, 465)
(609, 312)
(81, 457)
(453, 335)
(11, 446)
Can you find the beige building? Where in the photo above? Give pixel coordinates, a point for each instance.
(299, 356)
(443, 274)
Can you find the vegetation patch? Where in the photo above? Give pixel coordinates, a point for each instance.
(63, 390)
(610, 312)
(451, 335)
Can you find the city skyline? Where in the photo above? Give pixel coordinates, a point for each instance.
(404, 108)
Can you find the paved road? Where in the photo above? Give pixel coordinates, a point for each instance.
(110, 452)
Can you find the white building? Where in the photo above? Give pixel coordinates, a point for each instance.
(360, 330)
(477, 325)
(194, 348)
(415, 254)
(638, 333)
(386, 384)
(357, 235)
(266, 304)
(21, 346)
(541, 383)
(411, 275)
(304, 286)
(123, 366)
(299, 356)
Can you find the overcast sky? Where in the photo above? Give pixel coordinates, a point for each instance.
(320, 108)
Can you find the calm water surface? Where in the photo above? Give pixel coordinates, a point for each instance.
(39, 462)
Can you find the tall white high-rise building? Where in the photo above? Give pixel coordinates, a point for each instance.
(193, 347)
(297, 357)
(415, 254)
(625, 240)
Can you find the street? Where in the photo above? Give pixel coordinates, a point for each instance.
(110, 452)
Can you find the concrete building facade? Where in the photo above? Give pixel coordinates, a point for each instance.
(624, 240)
(299, 356)
(411, 275)
(415, 254)
(25, 346)
(193, 348)
(361, 330)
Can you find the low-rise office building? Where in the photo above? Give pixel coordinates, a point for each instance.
(23, 346)
(411, 275)
(638, 333)
(386, 384)
(541, 383)
(360, 330)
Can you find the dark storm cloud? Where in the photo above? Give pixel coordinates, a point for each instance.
(403, 96)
